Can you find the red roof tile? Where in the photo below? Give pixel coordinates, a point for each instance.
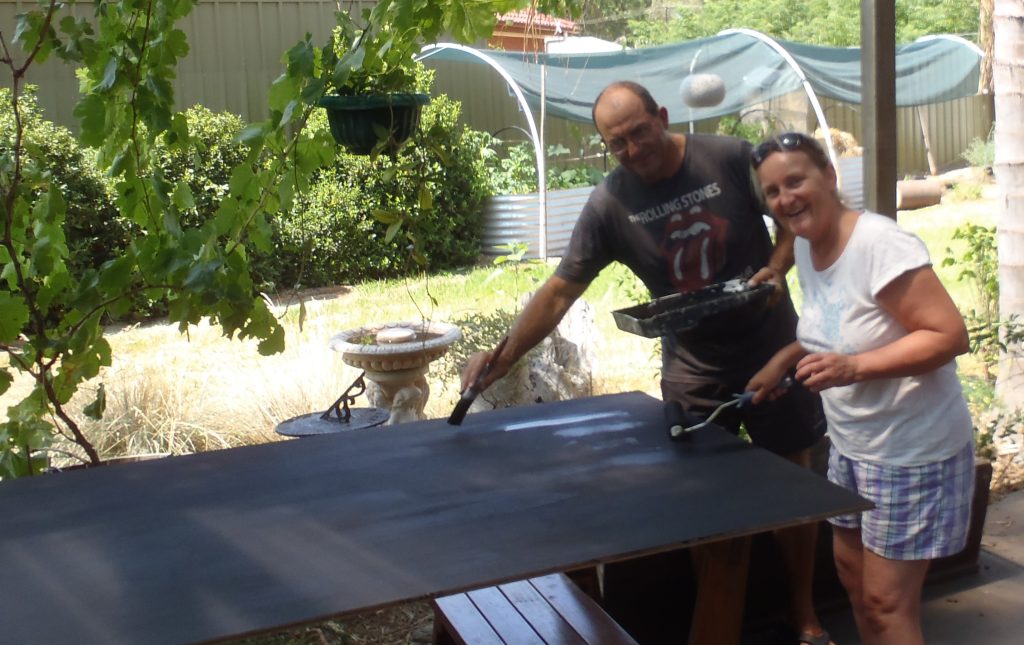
(537, 19)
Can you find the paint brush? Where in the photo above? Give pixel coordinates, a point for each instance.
(470, 393)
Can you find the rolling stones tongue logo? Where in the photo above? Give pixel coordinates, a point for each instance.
(695, 248)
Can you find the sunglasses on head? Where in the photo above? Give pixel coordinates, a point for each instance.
(783, 143)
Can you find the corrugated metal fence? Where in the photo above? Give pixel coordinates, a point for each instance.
(235, 53)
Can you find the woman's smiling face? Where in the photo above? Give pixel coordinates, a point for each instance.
(800, 194)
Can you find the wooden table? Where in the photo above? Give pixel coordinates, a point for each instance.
(239, 541)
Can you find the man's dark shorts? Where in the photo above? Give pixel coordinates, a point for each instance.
(789, 424)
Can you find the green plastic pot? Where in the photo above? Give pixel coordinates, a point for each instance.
(359, 122)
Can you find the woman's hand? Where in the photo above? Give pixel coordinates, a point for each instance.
(821, 371)
(765, 383)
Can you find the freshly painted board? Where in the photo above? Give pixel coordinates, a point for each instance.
(239, 541)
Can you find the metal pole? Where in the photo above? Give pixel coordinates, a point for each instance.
(542, 184)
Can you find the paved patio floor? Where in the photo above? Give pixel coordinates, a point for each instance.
(987, 607)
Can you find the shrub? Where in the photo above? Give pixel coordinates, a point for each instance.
(338, 231)
(979, 266)
(515, 171)
(573, 174)
(981, 153)
(206, 168)
(93, 228)
(734, 126)
(511, 173)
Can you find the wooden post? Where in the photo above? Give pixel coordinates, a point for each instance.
(878, 104)
(933, 168)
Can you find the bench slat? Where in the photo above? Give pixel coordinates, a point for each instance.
(464, 622)
(503, 617)
(545, 619)
(570, 601)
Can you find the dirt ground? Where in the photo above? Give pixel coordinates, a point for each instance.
(408, 624)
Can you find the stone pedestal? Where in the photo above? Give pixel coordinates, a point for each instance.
(395, 358)
(403, 392)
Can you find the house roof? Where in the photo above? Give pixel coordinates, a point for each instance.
(535, 19)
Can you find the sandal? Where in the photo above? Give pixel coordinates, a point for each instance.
(809, 639)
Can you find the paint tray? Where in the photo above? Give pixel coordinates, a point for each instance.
(681, 312)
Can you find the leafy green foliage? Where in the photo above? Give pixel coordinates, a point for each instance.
(511, 173)
(359, 219)
(979, 265)
(608, 19)
(573, 174)
(52, 316)
(820, 22)
(179, 253)
(93, 229)
(754, 132)
(513, 260)
(981, 153)
(514, 172)
(201, 171)
(372, 54)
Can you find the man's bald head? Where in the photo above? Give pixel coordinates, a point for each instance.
(638, 90)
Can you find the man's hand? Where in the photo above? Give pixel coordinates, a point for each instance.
(476, 365)
(538, 319)
(772, 276)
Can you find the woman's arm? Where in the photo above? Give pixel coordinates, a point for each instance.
(936, 334)
(768, 377)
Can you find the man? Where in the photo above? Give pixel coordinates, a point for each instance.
(682, 213)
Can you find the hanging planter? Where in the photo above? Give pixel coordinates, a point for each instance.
(360, 122)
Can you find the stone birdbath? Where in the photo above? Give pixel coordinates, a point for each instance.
(395, 358)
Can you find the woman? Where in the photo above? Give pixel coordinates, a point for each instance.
(877, 337)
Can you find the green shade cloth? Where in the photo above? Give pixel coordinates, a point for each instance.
(930, 70)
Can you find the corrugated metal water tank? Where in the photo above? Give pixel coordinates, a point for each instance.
(516, 218)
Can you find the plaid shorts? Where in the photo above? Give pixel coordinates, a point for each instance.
(921, 512)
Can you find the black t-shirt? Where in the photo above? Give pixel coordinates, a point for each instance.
(702, 226)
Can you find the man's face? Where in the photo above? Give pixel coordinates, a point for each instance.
(638, 139)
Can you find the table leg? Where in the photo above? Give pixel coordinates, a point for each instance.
(721, 571)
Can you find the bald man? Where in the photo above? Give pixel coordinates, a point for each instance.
(682, 213)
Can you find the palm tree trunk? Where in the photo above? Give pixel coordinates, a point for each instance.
(1008, 74)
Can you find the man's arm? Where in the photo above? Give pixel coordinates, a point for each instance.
(779, 264)
(538, 319)
(782, 259)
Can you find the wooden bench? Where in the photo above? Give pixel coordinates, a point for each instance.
(548, 609)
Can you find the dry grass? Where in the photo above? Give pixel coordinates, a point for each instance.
(174, 393)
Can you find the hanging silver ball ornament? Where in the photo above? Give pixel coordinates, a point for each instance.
(702, 90)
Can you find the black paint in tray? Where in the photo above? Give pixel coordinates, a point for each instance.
(681, 312)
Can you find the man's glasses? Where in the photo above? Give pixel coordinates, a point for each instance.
(640, 135)
(785, 143)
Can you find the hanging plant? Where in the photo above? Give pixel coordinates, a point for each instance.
(368, 70)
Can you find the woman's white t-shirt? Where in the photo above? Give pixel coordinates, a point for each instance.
(898, 421)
